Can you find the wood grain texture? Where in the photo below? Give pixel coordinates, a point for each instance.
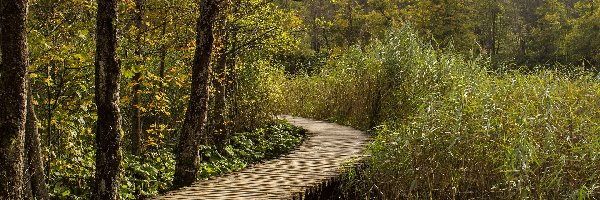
(317, 162)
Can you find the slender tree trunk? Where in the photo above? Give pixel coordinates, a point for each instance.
(314, 14)
(13, 93)
(231, 89)
(137, 134)
(136, 121)
(35, 181)
(161, 73)
(163, 52)
(350, 31)
(50, 138)
(522, 48)
(493, 42)
(108, 127)
(221, 134)
(195, 116)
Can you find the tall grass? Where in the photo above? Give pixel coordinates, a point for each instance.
(447, 128)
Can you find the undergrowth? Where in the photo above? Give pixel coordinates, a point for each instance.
(153, 173)
(448, 127)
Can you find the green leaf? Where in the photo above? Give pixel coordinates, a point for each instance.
(128, 74)
(66, 193)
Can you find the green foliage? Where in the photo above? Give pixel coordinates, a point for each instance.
(448, 128)
(581, 43)
(260, 26)
(258, 33)
(147, 176)
(446, 21)
(512, 32)
(250, 147)
(61, 60)
(549, 32)
(71, 177)
(152, 173)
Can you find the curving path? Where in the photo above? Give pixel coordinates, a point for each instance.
(313, 165)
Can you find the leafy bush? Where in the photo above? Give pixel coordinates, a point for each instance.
(447, 128)
(150, 177)
(250, 147)
(152, 173)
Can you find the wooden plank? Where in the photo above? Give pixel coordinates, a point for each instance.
(320, 159)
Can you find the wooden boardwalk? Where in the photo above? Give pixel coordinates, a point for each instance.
(319, 160)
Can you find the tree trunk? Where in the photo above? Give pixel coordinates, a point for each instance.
(136, 121)
(35, 181)
(315, 8)
(13, 93)
(195, 116)
(108, 127)
(161, 73)
(163, 53)
(221, 134)
(493, 40)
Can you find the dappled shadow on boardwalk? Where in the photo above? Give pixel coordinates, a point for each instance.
(308, 169)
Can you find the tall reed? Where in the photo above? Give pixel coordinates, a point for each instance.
(448, 128)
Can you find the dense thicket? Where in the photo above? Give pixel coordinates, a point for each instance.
(447, 127)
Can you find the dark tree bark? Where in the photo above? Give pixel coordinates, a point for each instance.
(108, 126)
(35, 181)
(13, 96)
(195, 116)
